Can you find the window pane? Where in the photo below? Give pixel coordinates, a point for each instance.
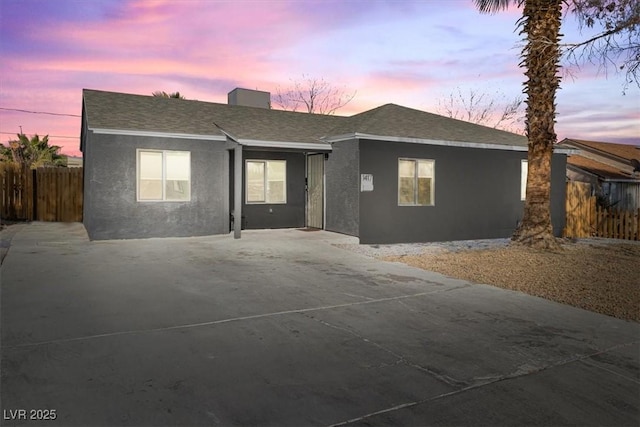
(407, 168)
(406, 182)
(177, 185)
(276, 170)
(406, 191)
(255, 182)
(425, 182)
(424, 191)
(178, 166)
(523, 179)
(425, 169)
(276, 173)
(176, 190)
(275, 192)
(150, 186)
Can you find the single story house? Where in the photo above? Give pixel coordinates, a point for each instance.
(158, 167)
(613, 170)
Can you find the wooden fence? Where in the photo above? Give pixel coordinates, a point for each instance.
(617, 224)
(17, 192)
(586, 219)
(43, 194)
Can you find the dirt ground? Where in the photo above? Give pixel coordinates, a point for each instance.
(604, 278)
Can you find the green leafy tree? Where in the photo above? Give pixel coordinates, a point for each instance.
(33, 152)
(540, 24)
(163, 94)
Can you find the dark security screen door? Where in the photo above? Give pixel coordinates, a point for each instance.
(315, 190)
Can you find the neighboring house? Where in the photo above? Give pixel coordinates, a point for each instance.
(158, 167)
(612, 169)
(74, 162)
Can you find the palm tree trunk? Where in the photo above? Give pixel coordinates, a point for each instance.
(542, 19)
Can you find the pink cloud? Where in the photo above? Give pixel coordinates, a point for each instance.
(206, 48)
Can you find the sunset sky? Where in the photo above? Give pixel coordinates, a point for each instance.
(411, 53)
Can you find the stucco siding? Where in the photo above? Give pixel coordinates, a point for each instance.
(342, 188)
(558, 193)
(277, 215)
(477, 194)
(111, 208)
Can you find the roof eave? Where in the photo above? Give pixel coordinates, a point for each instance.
(424, 141)
(600, 176)
(129, 132)
(312, 146)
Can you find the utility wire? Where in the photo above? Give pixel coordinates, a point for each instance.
(50, 136)
(39, 112)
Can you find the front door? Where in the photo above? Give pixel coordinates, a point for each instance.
(315, 190)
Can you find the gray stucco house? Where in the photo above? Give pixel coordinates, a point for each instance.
(157, 167)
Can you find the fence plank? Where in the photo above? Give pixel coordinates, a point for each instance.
(59, 194)
(580, 209)
(585, 219)
(619, 224)
(17, 192)
(44, 194)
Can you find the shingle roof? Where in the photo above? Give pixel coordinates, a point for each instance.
(120, 111)
(604, 159)
(398, 121)
(600, 169)
(127, 112)
(620, 152)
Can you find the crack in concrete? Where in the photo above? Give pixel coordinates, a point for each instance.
(594, 365)
(229, 320)
(400, 359)
(518, 374)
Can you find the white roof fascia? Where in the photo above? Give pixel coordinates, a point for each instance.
(338, 138)
(157, 134)
(427, 141)
(285, 144)
(566, 150)
(356, 135)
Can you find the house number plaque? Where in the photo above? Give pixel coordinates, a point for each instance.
(366, 182)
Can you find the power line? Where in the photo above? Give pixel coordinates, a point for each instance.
(39, 112)
(50, 136)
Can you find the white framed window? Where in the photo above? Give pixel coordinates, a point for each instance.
(416, 182)
(266, 181)
(524, 166)
(163, 175)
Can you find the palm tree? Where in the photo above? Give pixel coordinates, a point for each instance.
(616, 46)
(541, 20)
(163, 94)
(33, 152)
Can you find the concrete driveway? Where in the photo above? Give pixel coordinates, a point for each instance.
(283, 328)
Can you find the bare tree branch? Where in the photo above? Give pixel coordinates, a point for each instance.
(617, 46)
(484, 109)
(313, 95)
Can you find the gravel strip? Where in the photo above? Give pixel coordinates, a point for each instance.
(403, 249)
(600, 275)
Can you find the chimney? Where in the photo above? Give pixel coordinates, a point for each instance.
(249, 98)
